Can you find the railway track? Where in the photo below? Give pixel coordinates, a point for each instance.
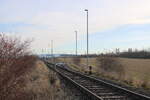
(96, 89)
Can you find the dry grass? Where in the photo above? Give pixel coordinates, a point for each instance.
(12, 78)
(136, 71)
(44, 84)
(37, 83)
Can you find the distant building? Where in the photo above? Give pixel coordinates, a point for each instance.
(129, 49)
(117, 50)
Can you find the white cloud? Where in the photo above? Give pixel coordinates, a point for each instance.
(60, 25)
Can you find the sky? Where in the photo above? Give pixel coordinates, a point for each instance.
(112, 24)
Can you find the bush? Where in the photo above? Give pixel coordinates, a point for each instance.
(110, 64)
(15, 61)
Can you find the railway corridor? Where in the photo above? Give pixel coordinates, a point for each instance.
(95, 89)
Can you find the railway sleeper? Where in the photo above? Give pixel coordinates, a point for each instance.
(95, 88)
(100, 90)
(108, 94)
(83, 83)
(92, 86)
(114, 97)
(104, 92)
(79, 79)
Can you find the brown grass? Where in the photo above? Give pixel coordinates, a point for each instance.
(136, 71)
(12, 80)
(44, 84)
(35, 82)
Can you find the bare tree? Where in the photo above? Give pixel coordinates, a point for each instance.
(14, 62)
(12, 48)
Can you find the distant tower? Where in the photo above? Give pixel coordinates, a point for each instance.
(76, 52)
(136, 50)
(117, 50)
(129, 49)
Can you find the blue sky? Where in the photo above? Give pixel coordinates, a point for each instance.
(123, 37)
(112, 23)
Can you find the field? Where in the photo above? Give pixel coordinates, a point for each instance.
(136, 72)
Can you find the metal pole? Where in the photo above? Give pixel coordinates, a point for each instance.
(52, 50)
(52, 53)
(42, 53)
(76, 43)
(49, 46)
(87, 40)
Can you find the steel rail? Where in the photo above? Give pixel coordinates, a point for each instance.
(87, 91)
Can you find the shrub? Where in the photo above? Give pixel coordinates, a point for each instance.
(110, 64)
(15, 61)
